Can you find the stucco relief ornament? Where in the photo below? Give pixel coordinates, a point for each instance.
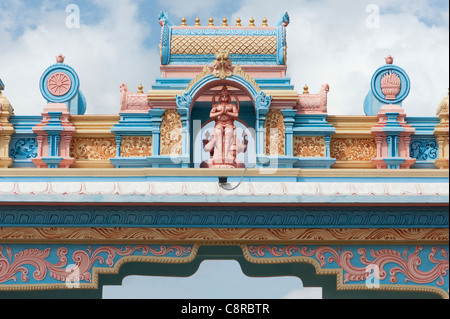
(224, 144)
(59, 84)
(222, 65)
(390, 82)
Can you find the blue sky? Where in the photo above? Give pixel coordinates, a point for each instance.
(328, 42)
(215, 279)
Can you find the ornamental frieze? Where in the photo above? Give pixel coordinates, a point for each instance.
(93, 148)
(171, 133)
(72, 266)
(275, 133)
(399, 268)
(353, 149)
(229, 235)
(136, 146)
(309, 146)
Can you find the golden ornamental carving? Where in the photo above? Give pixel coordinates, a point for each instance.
(353, 149)
(275, 133)
(205, 72)
(92, 148)
(171, 133)
(237, 70)
(205, 235)
(136, 146)
(232, 44)
(443, 106)
(222, 65)
(309, 146)
(5, 105)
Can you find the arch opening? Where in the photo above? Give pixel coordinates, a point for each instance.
(202, 126)
(214, 279)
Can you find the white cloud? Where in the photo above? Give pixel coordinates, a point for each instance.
(328, 42)
(104, 55)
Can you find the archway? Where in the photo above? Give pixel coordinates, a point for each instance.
(201, 124)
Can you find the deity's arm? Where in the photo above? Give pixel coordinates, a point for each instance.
(214, 113)
(234, 113)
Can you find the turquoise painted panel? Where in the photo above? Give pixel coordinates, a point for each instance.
(70, 266)
(372, 266)
(207, 59)
(23, 148)
(424, 150)
(223, 217)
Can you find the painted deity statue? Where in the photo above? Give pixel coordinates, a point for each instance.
(224, 145)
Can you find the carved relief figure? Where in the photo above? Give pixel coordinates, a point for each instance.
(224, 145)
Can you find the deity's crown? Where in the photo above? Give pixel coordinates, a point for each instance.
(224, 90)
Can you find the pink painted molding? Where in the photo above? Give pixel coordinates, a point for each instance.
(255, 71)
(404, 138)
(253, 189)
(66, 136)
(133, 102)
(314, 103)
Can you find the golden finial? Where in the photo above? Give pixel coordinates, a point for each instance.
(444, 105)
(183, 22)
(197, 22)
(140, 88)
(225, 22)
(305, 89)
(211, 22)
(265, 22)
(238, 22)
(252, 22)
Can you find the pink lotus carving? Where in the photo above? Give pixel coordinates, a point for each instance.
(391, 85)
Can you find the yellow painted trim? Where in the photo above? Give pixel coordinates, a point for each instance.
(353, 165)
(94, 125)
(352, 126)
(146, 235)
(97, 164)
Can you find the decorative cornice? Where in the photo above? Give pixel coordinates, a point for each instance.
(276, 217)
(179, 172)
(97, 235)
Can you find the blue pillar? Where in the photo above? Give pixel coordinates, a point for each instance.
(393, 129)
(289, 120)
(156, 119)
(53, 129)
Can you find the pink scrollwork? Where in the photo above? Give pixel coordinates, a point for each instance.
(84, 261)
(404, 263)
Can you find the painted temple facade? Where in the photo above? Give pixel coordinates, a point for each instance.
(223, 152)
